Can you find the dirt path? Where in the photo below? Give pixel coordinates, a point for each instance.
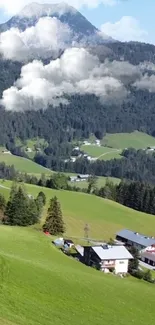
(5, 187)
(106, 153)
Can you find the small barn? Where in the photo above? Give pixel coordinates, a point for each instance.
(69, 243)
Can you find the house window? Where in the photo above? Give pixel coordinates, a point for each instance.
(121, 262)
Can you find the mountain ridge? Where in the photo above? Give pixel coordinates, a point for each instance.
(79, 25)
(30, 15)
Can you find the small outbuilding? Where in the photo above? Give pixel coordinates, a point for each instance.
(69, 243)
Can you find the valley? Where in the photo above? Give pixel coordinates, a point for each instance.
(77, 164)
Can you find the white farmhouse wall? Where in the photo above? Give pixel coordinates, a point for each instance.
(121, 266)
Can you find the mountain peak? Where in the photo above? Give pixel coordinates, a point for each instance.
(38, 10)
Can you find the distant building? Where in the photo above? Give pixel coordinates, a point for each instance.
(91, 158)
(135, 239)
(98, 142)
(5, 151)
(79, 178)
(83, 177)
(77, 149)
(30, 196)
(108, 258)
(73, 159)
(29, 150)
(86, 143)
(59, 242)
(38, 149)
(73, 178)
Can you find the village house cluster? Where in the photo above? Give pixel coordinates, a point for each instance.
(113, 258)
(145, 244)
(78, 153)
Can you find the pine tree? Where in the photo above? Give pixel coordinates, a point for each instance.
(2, 207)
(16, 210)
(54, 221)
(40, 202)
(2, 202)
(92, 184)
(32, 212)
(21, 210)
(42, 196)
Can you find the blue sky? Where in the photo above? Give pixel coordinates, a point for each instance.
(142, 10)
(127, 20)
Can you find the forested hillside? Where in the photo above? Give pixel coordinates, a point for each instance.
(74, 120)
(80, 112)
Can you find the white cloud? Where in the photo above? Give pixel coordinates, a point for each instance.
(76, 72)
(44, 40)
(14, 6)
(146, 83)
(126, 29)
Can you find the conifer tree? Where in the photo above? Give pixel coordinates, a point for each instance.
(54, 221)
(21, 210)
(16, 209)
(2, 207)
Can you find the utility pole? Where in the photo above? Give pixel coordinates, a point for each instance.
(86, 232)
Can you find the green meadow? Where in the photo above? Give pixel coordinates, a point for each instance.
(102, 153)
(104, 217)
(40, 285)
(137, 140)
(22, 164)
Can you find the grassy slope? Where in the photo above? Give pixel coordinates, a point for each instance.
(137, 140)
(104, 217)
(23, 164)
(102, 153)
(39, 285)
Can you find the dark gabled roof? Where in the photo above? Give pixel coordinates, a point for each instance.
(137, 238)
(69, 241)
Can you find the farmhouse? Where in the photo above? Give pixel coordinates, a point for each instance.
(135, 239)
(108, 258)
(73, 178)
(83, 177)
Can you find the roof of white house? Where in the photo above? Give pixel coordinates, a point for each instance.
(137, 238)
(112, 252)
(80, 249)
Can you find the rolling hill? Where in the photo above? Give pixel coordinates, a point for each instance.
(22, 164)
(104, 217)
(137, 140)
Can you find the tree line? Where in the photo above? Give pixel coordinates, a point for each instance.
(135, 195)
(138, 195)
